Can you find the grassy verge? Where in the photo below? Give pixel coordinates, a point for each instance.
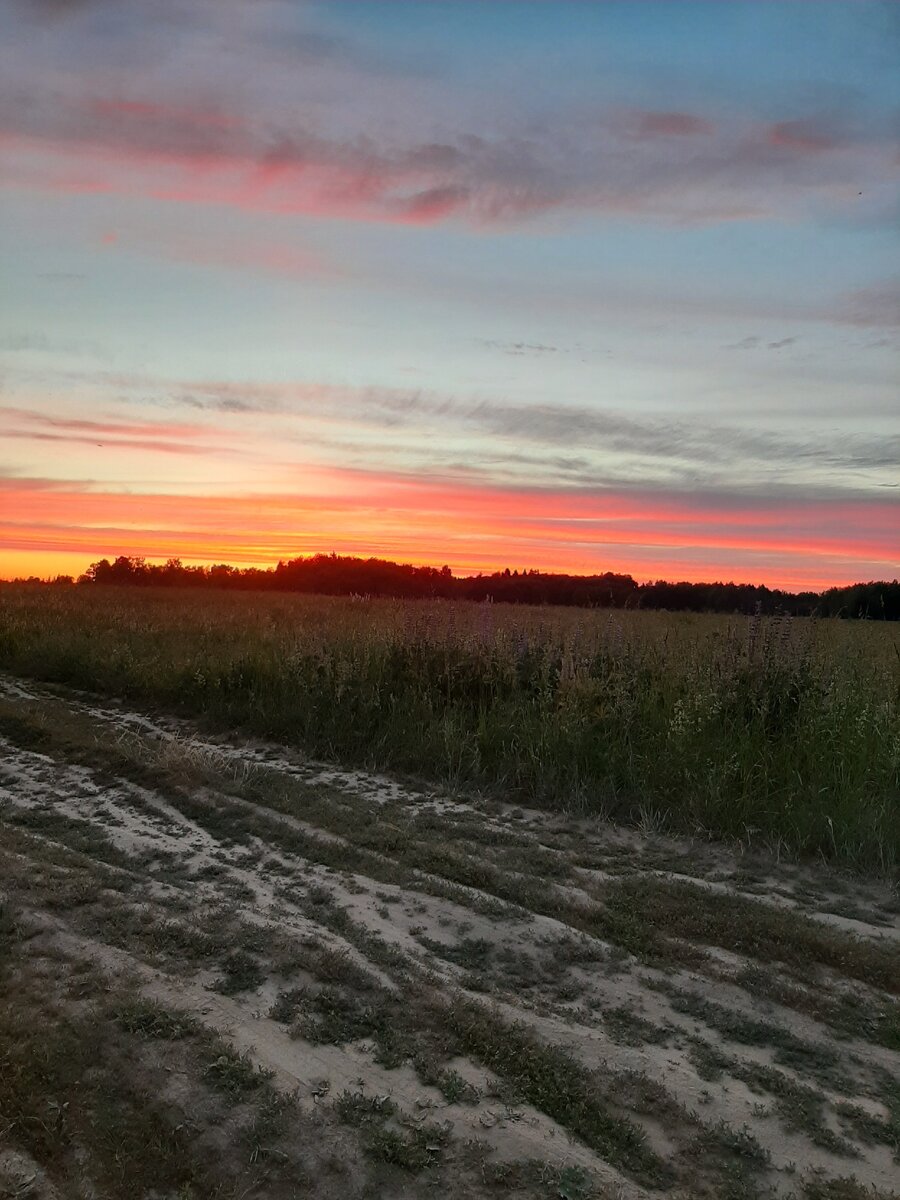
(782, 733)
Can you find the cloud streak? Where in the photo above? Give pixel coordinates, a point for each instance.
(154, 436)
(666, 165)
(703, 444)
(490, 436)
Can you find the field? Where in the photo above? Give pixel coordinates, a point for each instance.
(781, 732)
(310, 897)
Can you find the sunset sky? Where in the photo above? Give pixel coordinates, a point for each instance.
(579, 286)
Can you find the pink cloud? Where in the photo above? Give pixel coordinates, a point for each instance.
(804, 136)
(142, 110)
(158, 437)
(432, 205)
(172, 429)
(175, 153)
(669, 124)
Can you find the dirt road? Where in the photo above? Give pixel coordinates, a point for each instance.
(410, 993)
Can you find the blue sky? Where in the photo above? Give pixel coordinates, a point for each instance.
(572, 285)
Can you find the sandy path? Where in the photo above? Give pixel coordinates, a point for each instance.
(202, 846)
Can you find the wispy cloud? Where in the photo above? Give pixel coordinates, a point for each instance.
(42, 343)
(519, 349)
(52, 9)
(754, 342)
(112, 436)
(250, 254)
(421, 423)
(669, 165)
(804, 136)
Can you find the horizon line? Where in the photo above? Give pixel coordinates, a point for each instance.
(518, 572)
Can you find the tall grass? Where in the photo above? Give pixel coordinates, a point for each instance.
(784, 731)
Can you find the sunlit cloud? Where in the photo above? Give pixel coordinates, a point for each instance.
(154, 436)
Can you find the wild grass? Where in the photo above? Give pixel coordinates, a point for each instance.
(80, 1097)
(772, 730)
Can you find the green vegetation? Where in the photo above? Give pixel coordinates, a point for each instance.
(751, 928)
(83, 1091)
(768, 729)
(240, 973)
(413, 1150)
(555, 1083)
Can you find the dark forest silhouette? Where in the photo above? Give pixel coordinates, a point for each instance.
(338, 575)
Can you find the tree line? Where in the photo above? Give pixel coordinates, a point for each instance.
(341, 575)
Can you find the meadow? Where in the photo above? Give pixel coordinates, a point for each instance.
(775, 732)
(231, 969)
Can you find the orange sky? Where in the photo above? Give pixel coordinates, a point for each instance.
(50, 529)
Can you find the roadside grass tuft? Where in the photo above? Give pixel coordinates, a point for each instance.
(9, 928)
(457, 1090)
(241, 972)
(800, 1108)
(722, 1138)
(847, 1014)
(555, 1083)
(77, 1095)
(413, 1148)
(751, 928)
(844, 1188)
(816, 1059)
(232, 1074)
(870, 1129)
(356, 1108)
(81, 836)
(149, 1019)
(413, 1151)
(629, 1028)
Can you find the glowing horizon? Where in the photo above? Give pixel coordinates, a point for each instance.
(419, 282)
(395, 520)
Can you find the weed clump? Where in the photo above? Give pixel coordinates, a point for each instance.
(412, 1148)
(240, 973)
